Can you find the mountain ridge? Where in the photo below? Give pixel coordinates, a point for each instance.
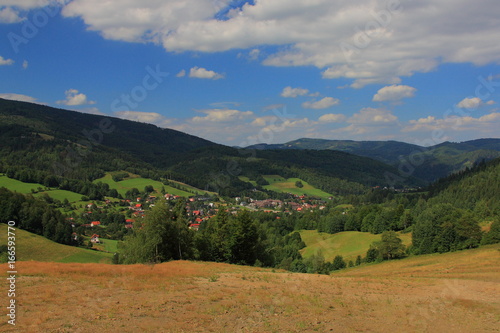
(37, 137)
(433, 162)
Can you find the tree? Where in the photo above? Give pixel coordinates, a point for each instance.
(372, 254)
(338, 263)
(162, 237)
(299, 184)
(492, 236)
(243, 240)
(358, 260)
(391, 246)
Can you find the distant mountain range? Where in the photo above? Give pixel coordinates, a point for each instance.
(38, 141)
(427, 163)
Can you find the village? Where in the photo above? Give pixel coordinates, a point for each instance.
(198, 209)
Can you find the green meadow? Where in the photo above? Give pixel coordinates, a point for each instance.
(280, 184)
(33, 247)
(348, 244)
(140, 183)
(26, 188)
(18, 186)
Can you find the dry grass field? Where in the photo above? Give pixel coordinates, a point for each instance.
(455, 292)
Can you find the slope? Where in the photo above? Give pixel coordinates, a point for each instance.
(455, 292)
(33, 247)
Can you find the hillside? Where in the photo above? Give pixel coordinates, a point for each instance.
(438, 161)
(348, 244)
(40, 144)
(455, 292)
(31, 247)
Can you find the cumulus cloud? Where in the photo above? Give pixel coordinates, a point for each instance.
(9, 15)
(144, 117)
(470, 103)
(5, 62)
(454, 127)
(366, 41)
(394, 93)
(202, 73)
(294, 92)
(321, 104)
(182, 73)
(74, 98)
(18, 97)
(222, 115)
(373, 116)
(332, 118)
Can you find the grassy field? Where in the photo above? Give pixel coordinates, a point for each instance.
(280, 184)
(247, 180)
(348, 244)
(454, 292)
(16, 185)
(33, 247)
(25, 188)
(63, 194)
(140, 183)
(108, 245)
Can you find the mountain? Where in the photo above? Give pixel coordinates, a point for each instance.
(54, 147)
(427, 163)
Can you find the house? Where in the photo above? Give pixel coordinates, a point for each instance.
(95, 223)
(194, 226)
(95, 238)
(129, 223)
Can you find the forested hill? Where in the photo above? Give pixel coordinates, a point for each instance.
(437, 161)
(144, 141)
(476, 189)
(44, 144)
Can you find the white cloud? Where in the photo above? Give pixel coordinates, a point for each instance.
(25, 64)
(470, 103)
(293, 92)
(74, 98)
(18, 97)
(5, 62)
(9, 15)
(373, 116)
(92, 110)
(454, 128)
(321, 104)
(222, 115)
(332, 118)
(394, 93)
(366, 41)
(144, 117)
(202, 73)
(491, 102)
(182, 73)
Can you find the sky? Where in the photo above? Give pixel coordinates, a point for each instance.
(263, 71)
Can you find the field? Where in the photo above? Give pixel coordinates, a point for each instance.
(25, 188)
(454, 292)
(140, 183)
(33, 247)
(16, 185)
(348, 244)
(280, 184)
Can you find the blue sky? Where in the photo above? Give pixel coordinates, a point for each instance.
(243, 72)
